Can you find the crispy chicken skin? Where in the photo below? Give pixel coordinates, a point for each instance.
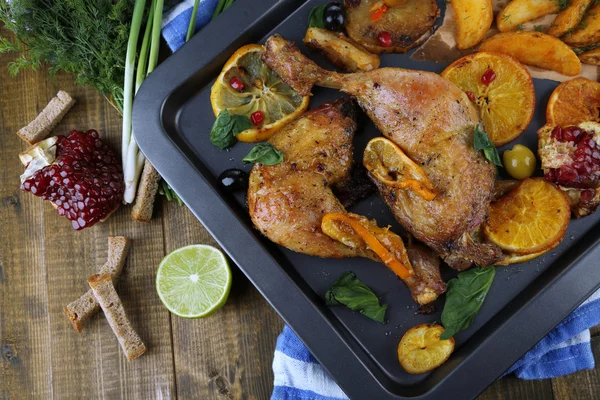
(433, 122)
(287, 201)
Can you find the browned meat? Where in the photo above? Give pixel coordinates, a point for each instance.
(426, 284)
(433, 122)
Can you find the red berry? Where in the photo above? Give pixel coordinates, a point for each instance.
(236, 84)
(77, 180)
(257, 118)
(385, 39)
(470, 95)
(488, 77)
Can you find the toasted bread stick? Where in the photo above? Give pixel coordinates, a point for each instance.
(50, 116)
(82, 309)
(144, 201)
(107, 297)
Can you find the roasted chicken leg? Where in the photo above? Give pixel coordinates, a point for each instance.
(433, 122)
(287, 201)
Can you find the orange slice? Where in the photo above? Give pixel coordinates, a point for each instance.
(263, 90)
(421, 350)
(370, 234)
(506, 104)
(388, 163)
(530, 219)
(574, 102)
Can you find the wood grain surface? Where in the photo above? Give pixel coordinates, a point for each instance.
(44, 265)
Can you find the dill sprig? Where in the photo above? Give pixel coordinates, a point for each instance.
(85, 38)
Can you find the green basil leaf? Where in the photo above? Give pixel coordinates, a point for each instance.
(481, 141)
(265, 154)
(352, 293)
(315, 19)
(226, 127)
(464, 298)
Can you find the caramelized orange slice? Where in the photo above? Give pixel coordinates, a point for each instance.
(574, 102)
(388, 163)
(421, 350)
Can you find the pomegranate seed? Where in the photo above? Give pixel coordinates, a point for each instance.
(236, 84)
(488, 77)
(257, 118)
(81, 157)
(565, 174)
(557, 133)
(571, 133)
(587, 195)
(551, 175)
(470, 95)
(385, 39)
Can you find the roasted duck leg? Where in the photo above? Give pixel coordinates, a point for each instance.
(287, 201)
(433, 122)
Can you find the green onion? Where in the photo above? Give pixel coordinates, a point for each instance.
(192, 25)
(143, 57)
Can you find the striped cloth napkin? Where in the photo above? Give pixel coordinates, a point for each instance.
(299, 376)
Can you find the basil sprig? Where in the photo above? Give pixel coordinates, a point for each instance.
(351, 292)
(464, 298)
(265, 154)
(481, 141)
(315, 19)
(226, 127)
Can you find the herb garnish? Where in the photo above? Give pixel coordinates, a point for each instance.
(226, 127)
(481, 141)
(315, 19)
(351, 292)
(464, 298)
(265, 154)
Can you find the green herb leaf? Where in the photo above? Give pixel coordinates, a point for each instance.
(481, 141)
(351, 292)
(226, 127)
(464, 298)
(315, 19)
(265, 154)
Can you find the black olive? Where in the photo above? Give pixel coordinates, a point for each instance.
(334, 17)
(234, 179)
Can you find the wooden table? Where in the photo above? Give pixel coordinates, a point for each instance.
(44, 265)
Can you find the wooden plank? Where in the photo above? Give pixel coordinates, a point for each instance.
(24, 336)
(229, 354)
(582, 385)
(511, 387)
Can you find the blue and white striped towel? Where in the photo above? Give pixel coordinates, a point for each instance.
(298, 375)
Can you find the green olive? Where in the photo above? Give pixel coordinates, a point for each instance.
(519, 162)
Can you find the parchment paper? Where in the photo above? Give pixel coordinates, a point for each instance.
(441, 46)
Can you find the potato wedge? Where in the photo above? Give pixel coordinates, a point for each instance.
(588, 30)
(518, 12)
(535, 48)
(344, 53)
(409, 23)
(569, 18)
(473, 20)
(591, 56)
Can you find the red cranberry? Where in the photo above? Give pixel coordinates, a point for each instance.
(78, 179)
(470, 95)
(488, 77)
(257, 118)
(385, 39)
(236, 84)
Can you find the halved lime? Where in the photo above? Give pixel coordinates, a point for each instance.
(193, 281)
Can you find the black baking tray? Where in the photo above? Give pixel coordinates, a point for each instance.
(172, 118)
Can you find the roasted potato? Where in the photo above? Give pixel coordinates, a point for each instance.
(591, 56)
(569, 18)
(588, 31)
(473, 20)
(535, 48)
(341, 51)
(408, 23)
(518, 12)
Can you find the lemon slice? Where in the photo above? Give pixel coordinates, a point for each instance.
(391, 166)
(421, 350)
(193, 281)
(500, 88)
(261, 90)
(530, 219)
